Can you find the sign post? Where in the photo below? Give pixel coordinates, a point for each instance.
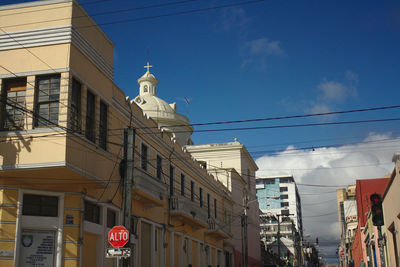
(118, 236)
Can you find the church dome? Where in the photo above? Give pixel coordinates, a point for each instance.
(160, 111)
(148, 77)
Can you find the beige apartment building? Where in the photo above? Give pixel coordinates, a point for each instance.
(62, 121)
(391, 212)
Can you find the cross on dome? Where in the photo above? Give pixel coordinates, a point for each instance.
(148, 66)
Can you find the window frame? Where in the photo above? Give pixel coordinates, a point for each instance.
(90, 117)
(76, 106)
(215, 208)
(201, 197)
(103, 125)
(144, 157)
(44, 210)
(37, 116)
(96, 213)
(183, 178)
(3, 105)
(192, 191)
(171, 180)
(159, 167)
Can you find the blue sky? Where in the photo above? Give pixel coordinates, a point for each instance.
(266, 59)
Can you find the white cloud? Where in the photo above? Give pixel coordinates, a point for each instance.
(262, 47)
(336, 166)
(234, 18)
(332, 91)
(257, 51)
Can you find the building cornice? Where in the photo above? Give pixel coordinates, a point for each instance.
(53, 36)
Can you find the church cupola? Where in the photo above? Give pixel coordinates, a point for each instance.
(147, 83)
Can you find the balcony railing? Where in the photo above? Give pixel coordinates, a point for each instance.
(218, 229)
(148, 188)
(182, 208)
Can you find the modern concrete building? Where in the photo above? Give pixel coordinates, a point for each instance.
(279, 199)
(62, 119)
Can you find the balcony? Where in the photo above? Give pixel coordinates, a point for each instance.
(187, 211)
(218, 229)
(148, 189)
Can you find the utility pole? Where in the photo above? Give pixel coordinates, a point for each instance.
(244, 233)
(279, 240)
(129, 148)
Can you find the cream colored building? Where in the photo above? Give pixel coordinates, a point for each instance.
(61, 142)
(220, 159)
(348, 219)
(230, 164)
(391, 212)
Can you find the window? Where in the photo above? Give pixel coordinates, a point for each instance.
(208, 206)
(144, 156)
(171, 180)
(284, 204)
(47, 100)
(90, 116)
(284, 212)
(159, 167)
(103, 126)
(215, 208)
(76, 106)
(192, 191)
(201, 196)
(182, 184)
(203, 164)
(111, 218)
(13, 99)
(286, 180)
(283, 189)
(38, 205)
(284, 197)
(92, 212)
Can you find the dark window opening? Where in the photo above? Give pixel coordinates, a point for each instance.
(38, 205)
(192, 191)
(103, 126)
(144, 157)
(215, 208)
(201, 196)
(284, 196)
(284, 204)
(284, 212)
(284, 189)
(171, 180)
(90, 117)
(182, 184)
(208, 206)
(159, 167)
(92, 212)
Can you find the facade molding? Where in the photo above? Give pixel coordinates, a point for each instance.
(33, 73)
(56, 35)
(33, 165)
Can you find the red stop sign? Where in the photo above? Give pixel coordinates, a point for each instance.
(118, 236)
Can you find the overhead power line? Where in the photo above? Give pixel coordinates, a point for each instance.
(293, 116)
(190, 11)
(91, 15)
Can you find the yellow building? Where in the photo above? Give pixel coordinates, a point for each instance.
(61, 144)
